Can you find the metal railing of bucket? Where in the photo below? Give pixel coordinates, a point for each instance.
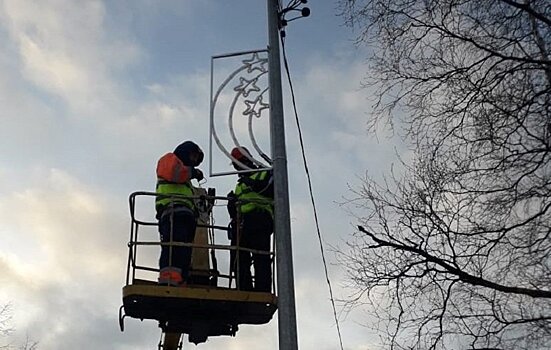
(134, 243)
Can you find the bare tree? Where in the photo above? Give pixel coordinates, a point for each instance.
(457, 252)
(5, 322)
(6, 329)
(29, 345)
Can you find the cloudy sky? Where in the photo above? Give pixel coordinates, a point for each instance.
(92, 92)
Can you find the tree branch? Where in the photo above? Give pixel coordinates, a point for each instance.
(463, 276)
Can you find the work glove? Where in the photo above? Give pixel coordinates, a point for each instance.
(246, 180)
(231, 230)
(197, 174)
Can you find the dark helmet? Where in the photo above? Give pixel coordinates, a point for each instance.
(185, 150)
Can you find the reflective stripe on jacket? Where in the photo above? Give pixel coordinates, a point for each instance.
(250, 200)
(168, 188)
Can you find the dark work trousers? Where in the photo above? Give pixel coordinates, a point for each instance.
(182, 225)
(256, 230)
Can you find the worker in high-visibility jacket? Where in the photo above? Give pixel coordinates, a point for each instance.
(253, 196)
(176, 210)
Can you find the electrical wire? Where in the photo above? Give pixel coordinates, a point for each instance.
(287, 70)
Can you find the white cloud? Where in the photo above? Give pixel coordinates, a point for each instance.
(66, 52)
(68, 256)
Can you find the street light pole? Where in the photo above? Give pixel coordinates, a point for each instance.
(282, 222)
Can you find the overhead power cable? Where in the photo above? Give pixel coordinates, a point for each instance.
(287, 71)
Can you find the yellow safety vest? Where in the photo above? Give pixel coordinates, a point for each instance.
(170, 188)
(249, 200)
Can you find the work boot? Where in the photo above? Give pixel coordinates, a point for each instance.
(171, 276)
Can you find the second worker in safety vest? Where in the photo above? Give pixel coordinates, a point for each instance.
(253, 195)
(176, 210)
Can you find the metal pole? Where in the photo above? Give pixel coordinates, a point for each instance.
(282, 223)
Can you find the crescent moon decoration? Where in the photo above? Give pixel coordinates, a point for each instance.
(253, 112)
(248, 97)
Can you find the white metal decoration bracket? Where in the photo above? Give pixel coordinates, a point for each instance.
(245, 94)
